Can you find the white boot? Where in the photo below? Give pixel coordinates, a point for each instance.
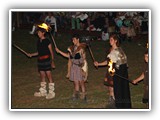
(42, 90)
(51, 93)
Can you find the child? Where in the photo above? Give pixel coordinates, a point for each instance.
(45, 64)
(78, 75)
(145, 77)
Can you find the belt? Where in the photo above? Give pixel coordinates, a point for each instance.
(43, 57)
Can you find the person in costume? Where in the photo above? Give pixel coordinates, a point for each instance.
(145, 77)
(120, 85)
(45, 64)
(78, 67)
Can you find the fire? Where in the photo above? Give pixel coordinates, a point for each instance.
(44, 26)
(111, 70)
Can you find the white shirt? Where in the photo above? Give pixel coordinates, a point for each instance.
(52, 21)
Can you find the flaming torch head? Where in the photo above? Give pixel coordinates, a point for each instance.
(44, 26)
(111, 70)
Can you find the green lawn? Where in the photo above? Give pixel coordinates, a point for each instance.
(25, 78)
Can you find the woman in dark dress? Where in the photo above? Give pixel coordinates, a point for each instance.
(120, 85)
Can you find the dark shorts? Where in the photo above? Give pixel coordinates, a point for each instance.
(44, 65)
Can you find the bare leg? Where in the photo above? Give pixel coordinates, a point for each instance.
(42, 90)
(43, 75)
(111, 99)
(49, 76)
(76, 90)
(83, 94)
(76, 85)
(111, 92)
(82, 84)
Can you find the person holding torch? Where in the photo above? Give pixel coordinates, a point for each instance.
(78, 67)
(145, 77)
(45, 63)
(118, 59)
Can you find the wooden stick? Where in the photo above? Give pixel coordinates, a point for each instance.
(91, 53)
(125, 79)
(20, 49)
(53, 40)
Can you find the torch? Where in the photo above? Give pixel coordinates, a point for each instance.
(87, 41)
(91, 53)
(53, 40)
(48, 28)
(111, 71)
(20, 49)
(90, 50)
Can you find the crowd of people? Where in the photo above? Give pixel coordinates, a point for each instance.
(127, 24)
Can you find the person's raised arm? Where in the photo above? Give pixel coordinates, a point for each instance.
(62, 53)
(101, 63)
(141, 77)
(32, 54)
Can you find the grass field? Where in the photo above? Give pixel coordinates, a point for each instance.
(25, 79)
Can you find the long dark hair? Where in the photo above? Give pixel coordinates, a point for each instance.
(115, 37)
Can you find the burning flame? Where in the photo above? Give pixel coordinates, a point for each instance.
(44, 26)
(111, 70)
